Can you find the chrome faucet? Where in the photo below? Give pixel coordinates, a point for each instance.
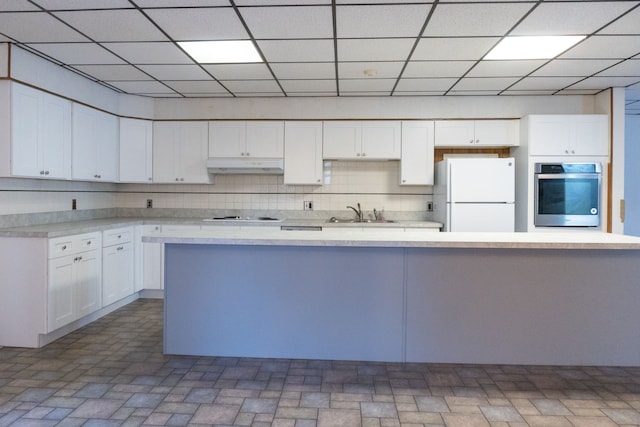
(357, 211)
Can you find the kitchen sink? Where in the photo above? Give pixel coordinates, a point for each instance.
(333, 219)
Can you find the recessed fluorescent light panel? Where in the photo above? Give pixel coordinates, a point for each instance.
(222, 51)
(532, 47)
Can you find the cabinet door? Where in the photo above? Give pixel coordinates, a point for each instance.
(61, 294)
(25, 124)
(381, 140)
(136, 145)
(165, 151)
(454, 133)
(303, 153)
(193, 153)
(152, 260)
(88, 282)
(416, 164)
(227, 139)
(342, 140)
(589, 135)
(265, 139)
(497, 133)
(117, 273)
(95, 145)
(106, 133)
(549, 135)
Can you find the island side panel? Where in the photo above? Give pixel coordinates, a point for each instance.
(279, 301)
(520, 306)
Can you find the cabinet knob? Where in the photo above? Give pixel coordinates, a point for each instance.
(477, 141)
(64, 248)
(318, 180)
(181, 179)
(248, 154)
(404, 180)
(177, 179)
(119, 248)
(46, 172)
(471, 142)
(357, 154)
(364, 154)
(573, 152)
(119, 236)
(89, 243)
(242, 154)
(41, 172)
(566, 151)
(150, 179)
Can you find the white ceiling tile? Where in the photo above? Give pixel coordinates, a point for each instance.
(354, 70)
(605, 82)
(313, 70)
(77, 53)
(445, 49)
(484, 83)
(437, 68)
(487, 19)
(280, 2)
(573, 67)
(504, 68)
(425, 85)
(181, 3)
(529, 92)
(260, 94)
(418, 93)
(252, 86)
(544, 83)
(113, 25)
(176, 72)
(220, 23)
(312, 94)
(605, 47)
(551, 18)
(630, 67)
(374, 50)
(474, 92)
(150, 53)
(113, 72)
(209, 86)
(289, 22)
(578, 92)
(381, 20)
(141, 87)
(239, 71)
(208, 95)
(297, 50)
(628, 24)
(328, 85)
(33, 27)
(367, 85)
(83, 4)
(16, 6)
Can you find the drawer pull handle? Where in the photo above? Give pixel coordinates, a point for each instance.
(119, 248)
(64, 248)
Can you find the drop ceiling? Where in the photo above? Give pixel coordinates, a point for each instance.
(332, 48)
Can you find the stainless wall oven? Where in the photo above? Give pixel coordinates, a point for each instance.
(567, 194)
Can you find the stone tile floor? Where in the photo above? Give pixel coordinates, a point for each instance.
(113, 373)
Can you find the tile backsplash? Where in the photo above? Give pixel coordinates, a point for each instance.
(372, 184)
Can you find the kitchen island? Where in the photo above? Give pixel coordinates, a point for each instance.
(520, 298)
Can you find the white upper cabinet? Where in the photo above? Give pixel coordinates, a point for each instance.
(567, 135)
(416, 164)
(180, 152)
(477, 133)
(136, 148)
(303, 153)
(362, 140)
(94, 145)
(259, 139)
(40, 134)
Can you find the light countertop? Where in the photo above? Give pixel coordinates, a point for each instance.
(405, 239)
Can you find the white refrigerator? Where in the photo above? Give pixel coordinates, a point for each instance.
(475, 194)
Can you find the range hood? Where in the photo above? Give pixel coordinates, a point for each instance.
(235, 165)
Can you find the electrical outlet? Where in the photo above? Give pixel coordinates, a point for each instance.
(74, 204)
(429, 206)
(149, 203)
(308, 205)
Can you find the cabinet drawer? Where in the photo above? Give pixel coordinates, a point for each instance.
(69, 245)
(117, 235)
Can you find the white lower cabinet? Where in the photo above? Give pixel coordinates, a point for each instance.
(75, 278)
(117, 265)
(152, 260)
